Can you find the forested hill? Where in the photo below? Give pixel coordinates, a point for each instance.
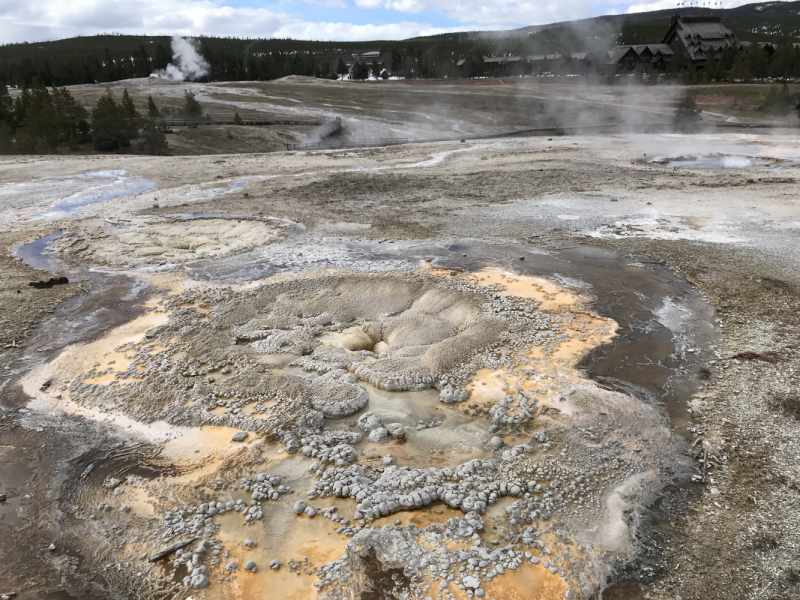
(103, 58)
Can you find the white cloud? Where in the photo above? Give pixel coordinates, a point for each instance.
(657, 5)
(495, 13)
(33, 20)
(36, 20)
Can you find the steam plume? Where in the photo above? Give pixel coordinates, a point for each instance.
(186, 65)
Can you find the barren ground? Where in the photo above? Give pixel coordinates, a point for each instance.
(420, 110)
(413, 339)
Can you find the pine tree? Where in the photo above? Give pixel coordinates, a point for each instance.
(162, 57)
(41, 130)
(757, 61)
(740, 70)
(192, 109)
(6, 139)
(777, 100)
(360, 71)
(21, 104)
(128, 106)
(109, 67)
(6, 106)
(679, 61)
(112, 128)
(686, 115)
(237, 120)
(397, 61)
(73, 116)
(341, 68)
(152, 109)
(152, 139)
(143, 66)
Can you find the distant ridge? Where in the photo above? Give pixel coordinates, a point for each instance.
(760, 21)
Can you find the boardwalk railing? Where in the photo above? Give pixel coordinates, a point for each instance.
(335, 145)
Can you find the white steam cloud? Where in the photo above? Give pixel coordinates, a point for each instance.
(186, 65)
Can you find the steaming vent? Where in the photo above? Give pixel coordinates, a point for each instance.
(187, 63)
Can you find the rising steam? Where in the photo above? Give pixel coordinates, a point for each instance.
(186, 65)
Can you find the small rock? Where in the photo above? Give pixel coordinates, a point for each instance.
(249, 543)
(378, 435)
(496, 443)
(299, 507)
(231, 566)
(239, 436)
(396, 430)
(369, 421)
(250, 565)
(274, 564)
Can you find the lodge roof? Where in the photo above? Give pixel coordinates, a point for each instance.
(656, 51)
(700, 35)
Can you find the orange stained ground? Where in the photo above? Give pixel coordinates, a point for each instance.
(554, 364)
(550, 295)
(528, 582)
(435, 514)
(283, 536)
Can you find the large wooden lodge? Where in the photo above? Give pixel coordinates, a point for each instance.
(699, 38)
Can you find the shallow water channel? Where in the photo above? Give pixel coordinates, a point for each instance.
(714, 161)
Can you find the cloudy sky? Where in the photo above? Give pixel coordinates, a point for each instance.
(37, 20)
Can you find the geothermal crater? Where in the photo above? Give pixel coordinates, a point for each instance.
(434, 420)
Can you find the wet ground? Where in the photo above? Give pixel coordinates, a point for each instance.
(718, 161)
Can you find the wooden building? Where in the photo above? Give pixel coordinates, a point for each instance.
(700, 38)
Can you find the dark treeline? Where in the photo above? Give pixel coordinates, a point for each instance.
(43, 120)
(74, 69)
(104, 59)
(62, 63)
(731, 65)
